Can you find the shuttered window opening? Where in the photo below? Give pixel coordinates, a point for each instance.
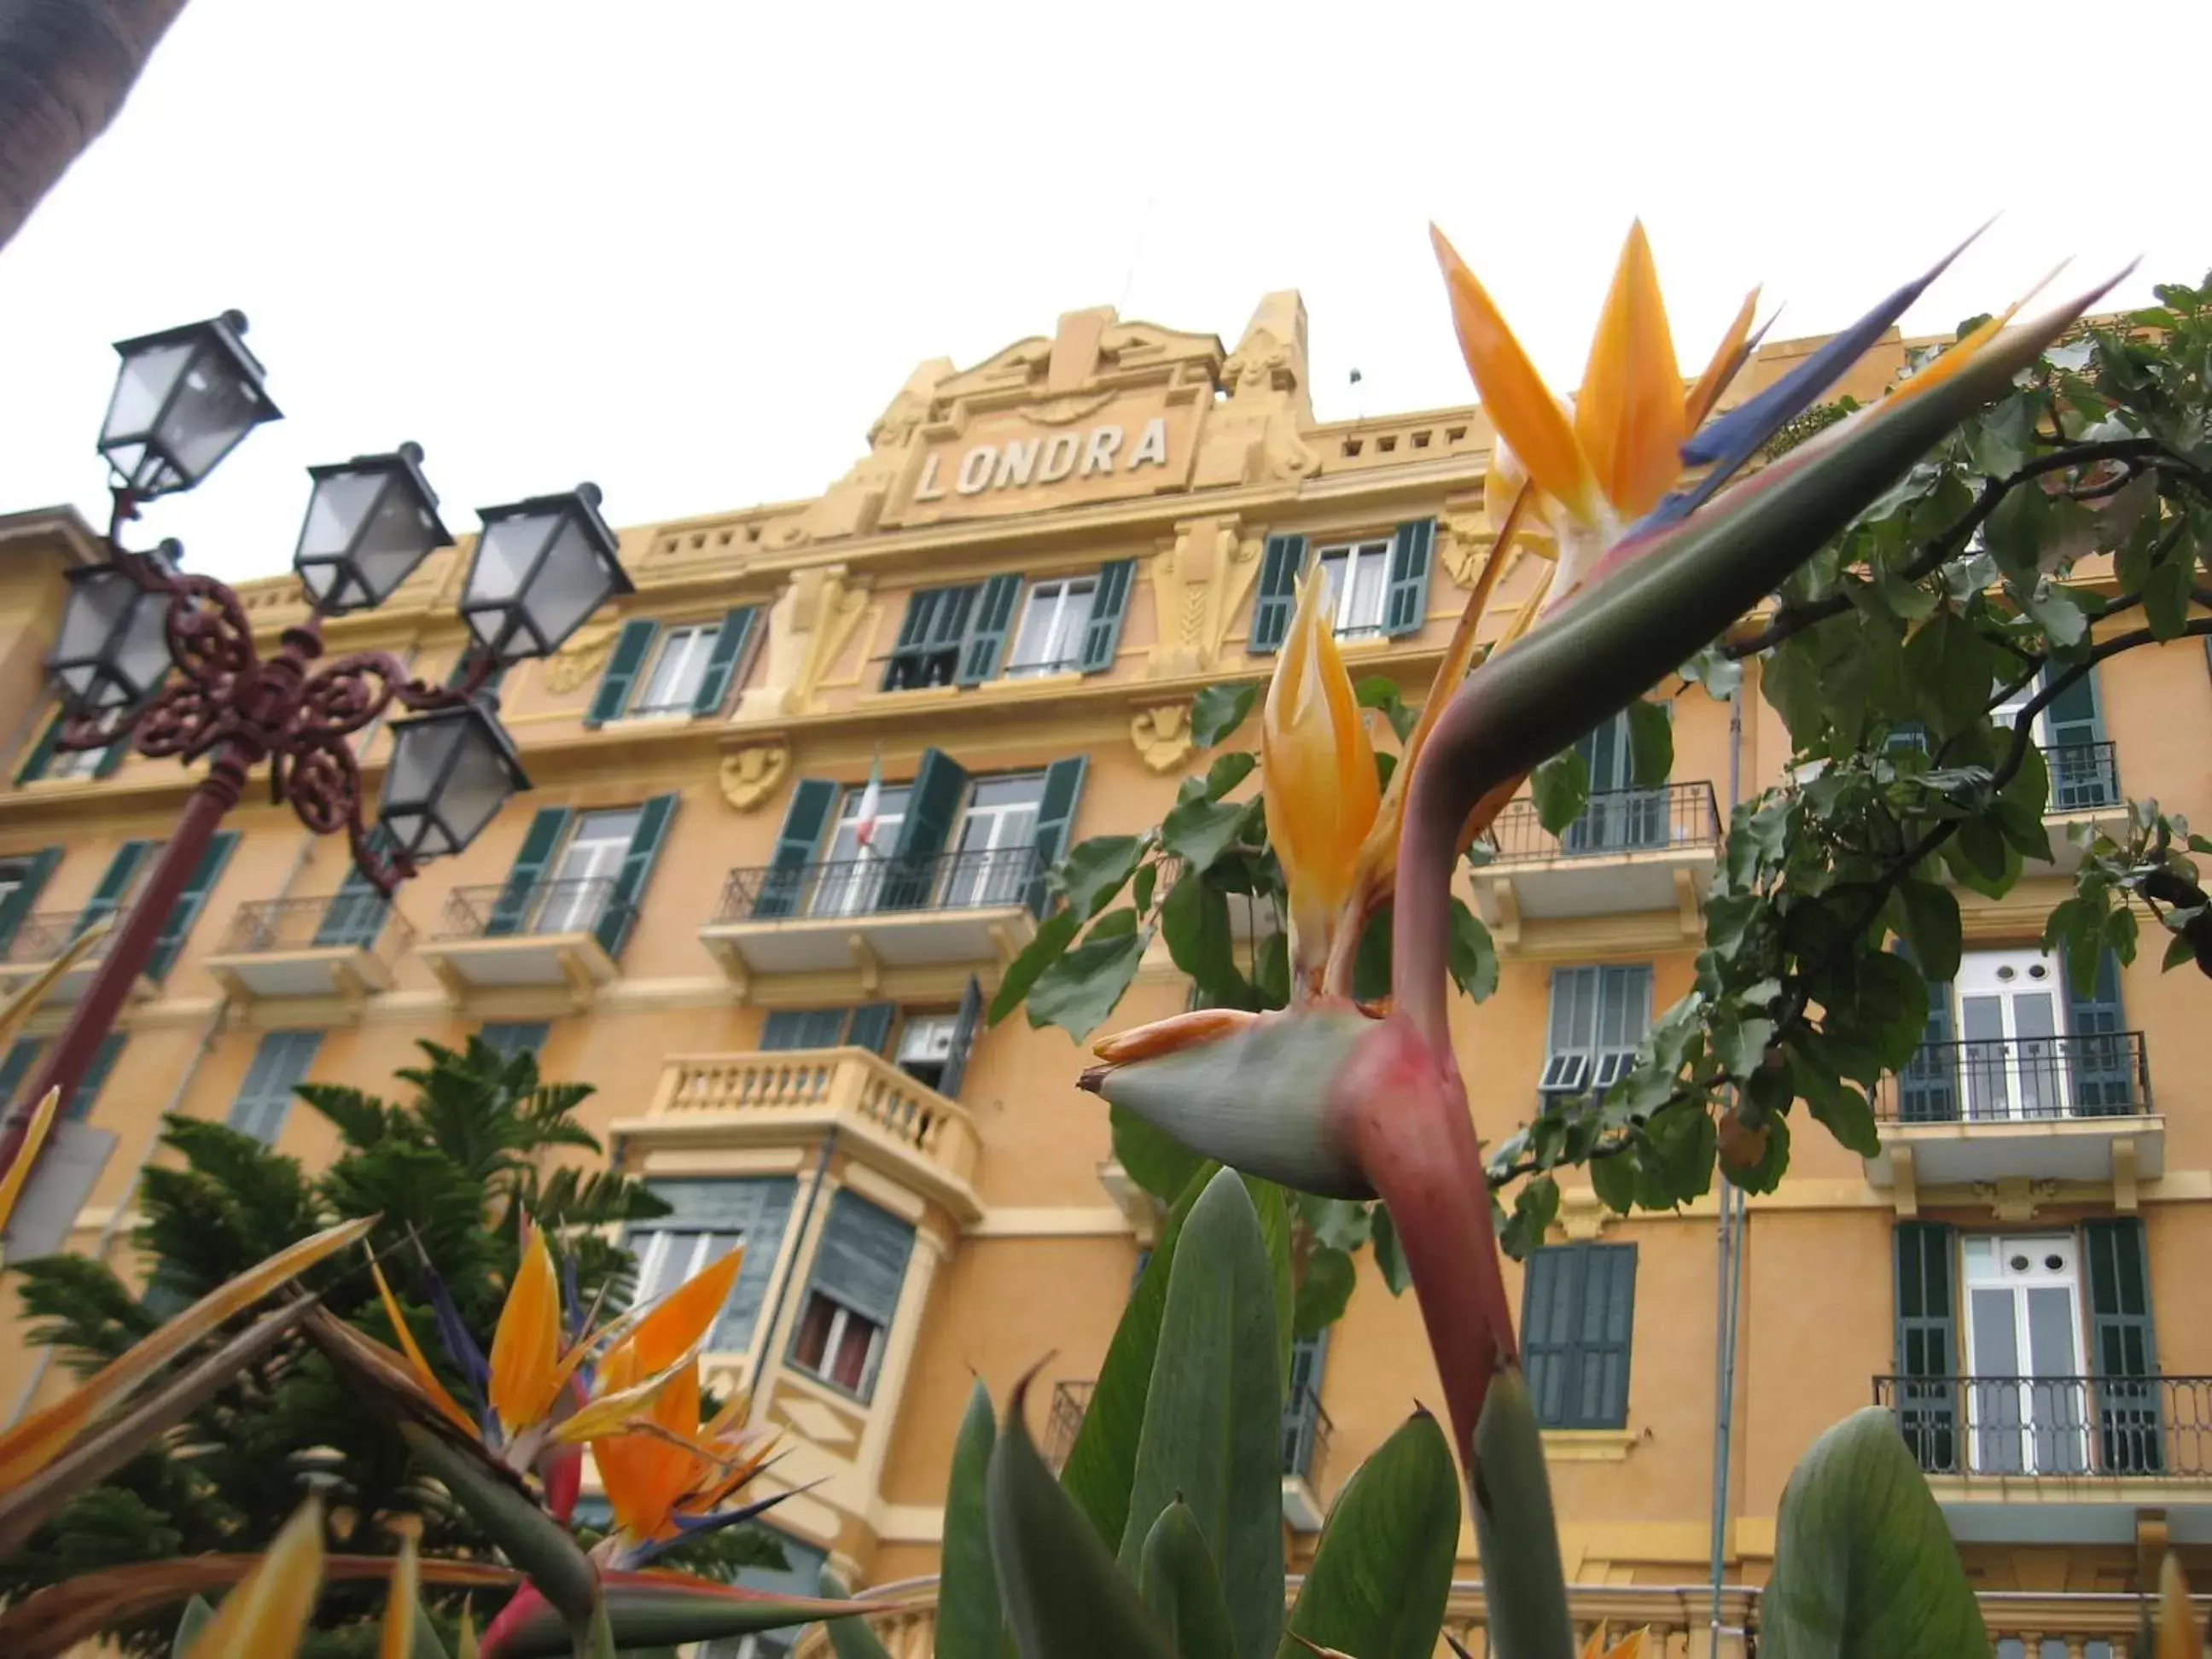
(1054, 621)
(1357, 576)
(851, 1295)
(48, 760)
(508, 1038)
(679, 671)
(22, 1059)
(708, 1219)
(928, 649)
(1578, 1317)
(1599, 1016)
(279, 1065)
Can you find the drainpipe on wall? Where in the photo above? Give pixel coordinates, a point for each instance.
(790, 1267)
(1727, 1268)
(114, 1223)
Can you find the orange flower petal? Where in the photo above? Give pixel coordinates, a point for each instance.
(1727, 360)
(684, 1316)
(396, 1638)
(525, 1349)
(438, 1397)
(270, 1608)
(35, 1137)
(1520, 410)
(1166, 1036)
(1628, 415)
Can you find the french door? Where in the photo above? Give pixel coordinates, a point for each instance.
(2012, 1048)
(2026, 1398)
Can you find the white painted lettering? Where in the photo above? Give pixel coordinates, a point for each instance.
(1098, 456)
(975, 470)
(1059, 451)
(1016, 463)
(928, 487)
(1152, 445)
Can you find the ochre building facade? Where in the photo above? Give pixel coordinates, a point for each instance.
(1009, 603)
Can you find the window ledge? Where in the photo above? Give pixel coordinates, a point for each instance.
(1589, 1445)
(913, 693)
(1060, 677)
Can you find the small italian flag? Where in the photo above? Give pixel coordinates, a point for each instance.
(872, 798)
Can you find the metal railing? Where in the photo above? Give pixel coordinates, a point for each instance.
(577, 906)
(1613, 821)
(2012, 1080)
(1071, 1402)
(45, 934)
(2083, 775)
(863, 886)
(2055, 1426)
(358, 920)
(1306, 1432)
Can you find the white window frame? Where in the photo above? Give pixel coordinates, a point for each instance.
(1998, 1087)
(1059, 608)
(72, 764)
(1004, 827)
(853, 881)
(1351, 557)
(574, 908)
(870, 1367)
(1983, 1267)
(680, 660)
(707, 1246)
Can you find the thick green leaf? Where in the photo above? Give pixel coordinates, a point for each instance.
(1515, 1532)
(1195, 922)
(1103, 1460)
(1323, 1291)
(1931, 927)
(1218, 710)
(196, 1613)
(651, 1610)
(1560, 788)
(1212, 1434)
(1053, 935)
(969, 1621)
(1228, 770)
(1864, 1565)
(1472, 956)
(1182, 1587)
(533, 1539)
(1650, 742)
(851, 1638)
(1390, 1255)
(1078, 992)
(1095, 870)
(1200, 831)
(1064, 1597)
(2166, 598)
(1152, 1158)
(1951, 670)
(1384, 1565)
(1377, 692)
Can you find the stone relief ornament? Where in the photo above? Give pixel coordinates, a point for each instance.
(750, 775)
(1161, 736)
(582, 657)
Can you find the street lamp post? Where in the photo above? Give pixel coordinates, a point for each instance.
(183, 399)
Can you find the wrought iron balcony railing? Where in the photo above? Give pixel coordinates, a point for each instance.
(587, 905)
(1306, 1430)
(364, 921)
(1614, 821)
(45, 934)
(2012, 1080)
(972, 880)
(1071, 1402)
(2055, 1426)
(2083, 775)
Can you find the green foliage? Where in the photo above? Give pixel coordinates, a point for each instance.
(455, 1167)
(969, 1622)
(1864, 1565)
(1383, 1567)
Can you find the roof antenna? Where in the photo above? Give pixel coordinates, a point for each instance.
(1136, 255)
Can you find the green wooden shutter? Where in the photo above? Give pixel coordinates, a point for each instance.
(940, 784)
(42, 753)
(356, 913)
(871, 1028)
(797, 844)
(620, 915)
(1405, 601)
(15, 1070)
(2123, 1347)
(1607, 1336)
(862, 1259)
(115, 883)
(1302, 1409)
(86, 1095)
(964, 1028)
(802, 1028)
(1573, 1031)
(1285, 556)
(1928, 1379)
(1620, 818)
(190, 902)
(31, 874)
(265, 1096)
(624, 664)
(731, 639)
(1109, 604)
(758, 1210)
(1063, 791)
(987, 630)
(517, 901)
(112, 758)
(2100, 1065)
(1928, 1088)
(1578, 1322)
(2082, 773)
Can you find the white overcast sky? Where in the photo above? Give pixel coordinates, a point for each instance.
(691, 250)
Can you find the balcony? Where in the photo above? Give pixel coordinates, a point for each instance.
(1631, 850)
(2039, 1109)
(2014, 1459)
(795, 1097)
(1306, 1433)
(44, 935)
(875, 926)
(344, 945)
(517, 935)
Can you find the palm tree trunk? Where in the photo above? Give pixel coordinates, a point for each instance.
(65, 67)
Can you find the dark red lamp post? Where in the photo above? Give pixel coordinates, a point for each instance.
(165, 660)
